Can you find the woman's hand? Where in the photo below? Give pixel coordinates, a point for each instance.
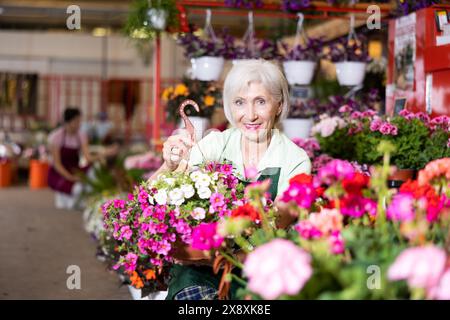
(285, 215)
(176, 148)
(185, 255)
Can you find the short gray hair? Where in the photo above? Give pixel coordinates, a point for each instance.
(265, 72)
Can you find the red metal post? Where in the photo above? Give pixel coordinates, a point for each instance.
(157, 94)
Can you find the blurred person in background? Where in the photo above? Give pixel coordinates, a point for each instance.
(66, 144)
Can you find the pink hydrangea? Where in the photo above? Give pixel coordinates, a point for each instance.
(205, 237)
(401, 207)
(277, 268)
(421, 267)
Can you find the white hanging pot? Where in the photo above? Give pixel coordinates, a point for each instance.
(350, 73)
(157, 18)
(207, 68)
(297, 128)
(299, 72)
(200, 124)
(136, 293)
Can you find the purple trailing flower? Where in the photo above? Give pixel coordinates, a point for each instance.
(311, 51)
(246, 4)
(294, 5)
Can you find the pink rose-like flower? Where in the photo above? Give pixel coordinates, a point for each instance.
(421, 267)
(401, 207)
(205, 237)
(375, 125)
(276, 268)
(385, 128)
(327, 220)
(345, 108)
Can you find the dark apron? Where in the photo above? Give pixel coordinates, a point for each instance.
(186, 276)
(70, 158)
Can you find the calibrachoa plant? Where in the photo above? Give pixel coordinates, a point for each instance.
(175, 209)
(348, 223)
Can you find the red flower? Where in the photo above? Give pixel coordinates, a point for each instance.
(301, 178)
(354, 184)
(320, 191)
(246, 211)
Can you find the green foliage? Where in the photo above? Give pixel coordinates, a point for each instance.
(338, 145)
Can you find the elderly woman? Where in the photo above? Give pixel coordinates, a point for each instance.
(255, 99)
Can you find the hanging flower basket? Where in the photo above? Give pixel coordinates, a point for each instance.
(299, 72)
(38, 174)
(201, 124)
(157, 18)
(297, 127)
(207, 68)
(350, 73)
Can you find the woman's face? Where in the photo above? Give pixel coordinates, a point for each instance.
(74, 125)
(254, 112)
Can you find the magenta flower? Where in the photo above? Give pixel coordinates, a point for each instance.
(307, 230)
(421, 267)
(302, 194)
(130, 261)
(119, 204)
(205, 237)
(385, 128)
(276, 268)
(125, 233)
(337, 245)
(163, 247)
(345, 108)
(375, 125)
(335, 170)
(226, 169)
(401, 207)
(217, 200)
(355, 206)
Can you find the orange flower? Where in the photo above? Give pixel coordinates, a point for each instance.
(209, 101)
(149, 274)
(136, 281)
(167, 93)
(181, 90)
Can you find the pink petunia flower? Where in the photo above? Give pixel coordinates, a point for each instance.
(276, 268)
(205, 237)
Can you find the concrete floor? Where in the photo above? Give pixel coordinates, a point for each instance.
(37, 245)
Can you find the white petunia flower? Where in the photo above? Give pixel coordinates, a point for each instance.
(203, 181)
(188, 190)
(204, 193)
(195, 175)
(198, 213)
(176, 197)
(161, 197)
(170, 181)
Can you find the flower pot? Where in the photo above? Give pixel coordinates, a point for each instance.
(157, 18)
(5, 174)
(350, 73)
(299, 72)
(396, 179)
(200, 124)
(297, 128)
(38, 174)
(136, 293)
(207, 68)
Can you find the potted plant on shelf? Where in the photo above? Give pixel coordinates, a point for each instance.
(300, 119)
(9, 153)
(206, 94)
(350, 56)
